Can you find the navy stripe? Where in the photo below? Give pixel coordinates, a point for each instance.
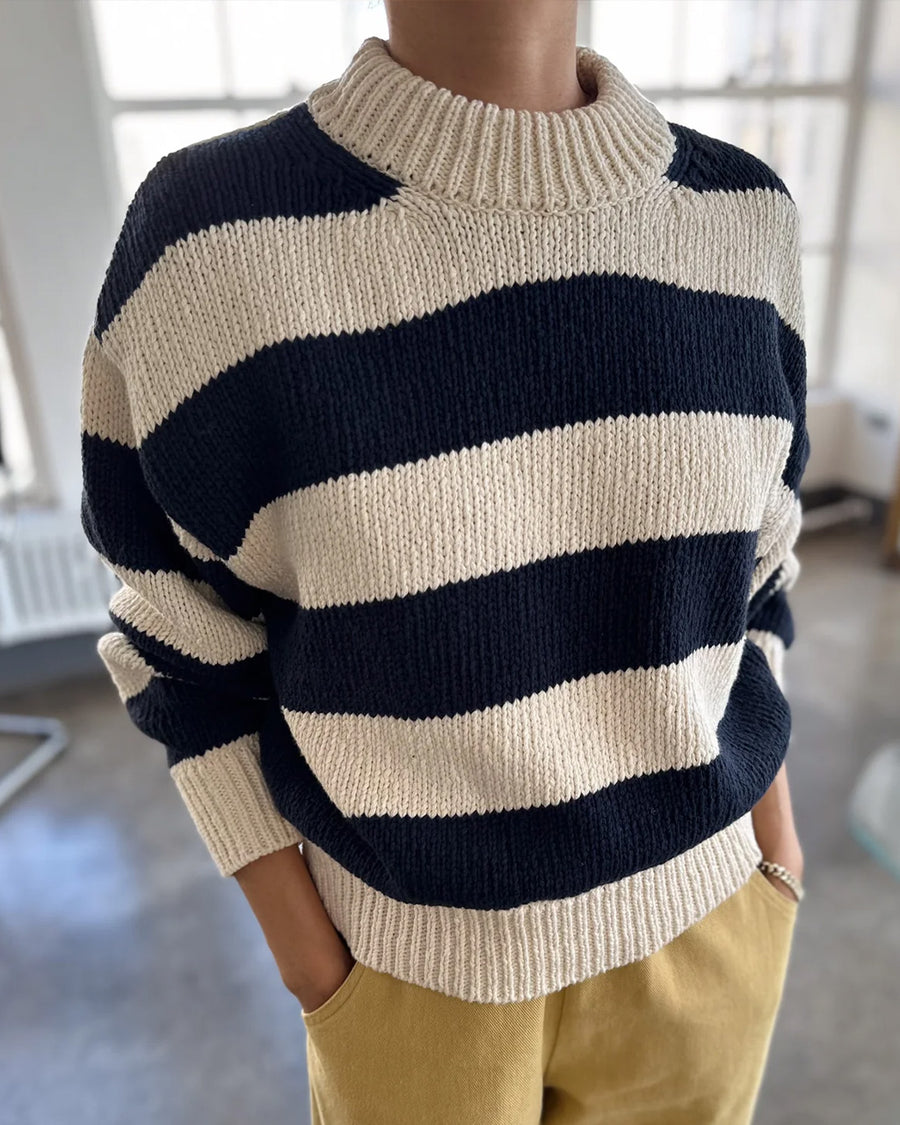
(499, 860)
(587, 347)
(284, 167)
(244, 600)
(792, 356)
(705, 163)
(123, 521)
(188, 720)
(473, 644)
(767, 589)
(774, 615)
(119, 515)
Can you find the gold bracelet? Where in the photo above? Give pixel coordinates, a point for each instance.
(784, 875)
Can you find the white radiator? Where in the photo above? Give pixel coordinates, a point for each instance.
(52, 581)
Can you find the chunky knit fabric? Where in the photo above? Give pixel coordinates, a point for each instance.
(449, 458)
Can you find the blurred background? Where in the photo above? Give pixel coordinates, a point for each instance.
(135, 984)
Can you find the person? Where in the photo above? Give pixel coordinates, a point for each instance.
(446, 431)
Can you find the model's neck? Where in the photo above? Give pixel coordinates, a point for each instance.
(519, 54)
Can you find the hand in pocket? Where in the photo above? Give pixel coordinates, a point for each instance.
(311, 954)
(776, 833)
(325, 975)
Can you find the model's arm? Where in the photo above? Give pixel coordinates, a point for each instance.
(311, 955)
(189, 654)
(775, 831)
(189, 660)
(770, 622)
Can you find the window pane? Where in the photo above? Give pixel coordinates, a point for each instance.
(715, 46)
(816, 269)
(210, 48)
(364, 18)
(739, 121)
(275, 46)
(807, 150)
(815, 40)
(801, 138)
(637, 37)
(142, 138)
(159, 48)
(254, 116)
(709, 43)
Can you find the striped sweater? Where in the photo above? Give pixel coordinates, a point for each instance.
(448, 455)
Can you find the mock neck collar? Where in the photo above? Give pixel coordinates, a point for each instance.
(483, 155)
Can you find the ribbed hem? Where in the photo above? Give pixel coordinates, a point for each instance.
(485, 155)
(231, 806)
(503, 956)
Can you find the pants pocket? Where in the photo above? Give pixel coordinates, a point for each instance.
(394, 1053)
(339, 1001)
(775, 898)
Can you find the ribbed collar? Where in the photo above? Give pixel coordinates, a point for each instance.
(484, 155)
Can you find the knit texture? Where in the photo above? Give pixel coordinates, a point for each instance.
(449, 457)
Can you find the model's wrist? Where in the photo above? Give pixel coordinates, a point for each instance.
(774, 827)
(304, 942)
(778, 841)
(783, 878)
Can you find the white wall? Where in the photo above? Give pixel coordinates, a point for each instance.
(57, 222)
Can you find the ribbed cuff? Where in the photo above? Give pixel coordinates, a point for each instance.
(230, 804)
(773, 647)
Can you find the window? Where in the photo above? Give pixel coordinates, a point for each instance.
(772, 76)
(182, 70)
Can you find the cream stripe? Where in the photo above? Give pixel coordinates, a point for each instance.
(128, 670)
(505, 956)
(414, 255)
(190, 616)
(551, 746)
(192, 544)
(230, 804)
(503, 504)
(781, 548)
(105, 410)
(782, 517)
(223, 788)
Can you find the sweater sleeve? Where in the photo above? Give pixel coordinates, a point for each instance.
(770, 622)
(188, 653)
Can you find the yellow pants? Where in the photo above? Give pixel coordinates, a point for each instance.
(678, 1038)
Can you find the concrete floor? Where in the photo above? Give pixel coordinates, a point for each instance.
(136, 987)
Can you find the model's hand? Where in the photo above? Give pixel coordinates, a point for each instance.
(776, 834)
(324, 976)
(312, 957)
